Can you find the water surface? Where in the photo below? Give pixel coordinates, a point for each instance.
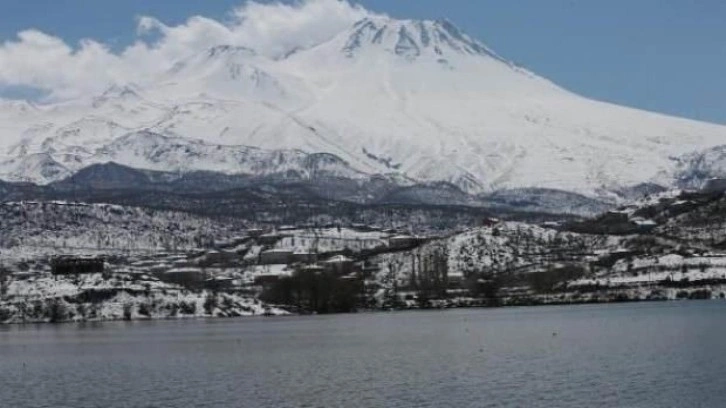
(630, 355)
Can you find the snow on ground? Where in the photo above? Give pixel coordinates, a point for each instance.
(330, 239)
(417, 98)
(44, 297)
(31, 230)
(509, 246)
(253, 272)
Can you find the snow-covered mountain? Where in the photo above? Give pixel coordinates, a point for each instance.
(417, 99)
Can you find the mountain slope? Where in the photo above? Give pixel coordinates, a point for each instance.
(419, 99)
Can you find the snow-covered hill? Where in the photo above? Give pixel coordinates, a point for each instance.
(37, 229)
(419, 99)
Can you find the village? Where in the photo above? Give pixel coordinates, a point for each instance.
(664, 247)
(250, 266)
(256, 261)
(300, 269)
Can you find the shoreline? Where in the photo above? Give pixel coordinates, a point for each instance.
(360, 311)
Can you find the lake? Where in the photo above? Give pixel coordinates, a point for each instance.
(630, 355)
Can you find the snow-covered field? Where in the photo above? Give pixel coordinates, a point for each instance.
(331, 239)
(44, 298)
(508, 246)
(31, 230)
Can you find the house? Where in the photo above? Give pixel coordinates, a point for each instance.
(77, 265)
(312, 269)
(158, 269)
(614, 222)
(276, 257)
(303, 256)
(644, 225)
(490, 222)
(266, 273)
(219, 257)
(715, 186)
(231, 243)
(22, 276)
(455, 280)
(339, 265)
(255, 232)
(220, 283)
(551, 224)
(402, 242)
(266, 280)
(615, 217)
(184, 276)
(369, 269)
(269, 239)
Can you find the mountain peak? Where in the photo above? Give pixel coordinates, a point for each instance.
(103, 176)
(223, 54)
(227, 49)
(231, 72)
(411, 39)
(115, 93)
(120, 91)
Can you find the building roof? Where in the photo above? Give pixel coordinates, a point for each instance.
(620, 212)
(402, 237)
(278, 251)
(304, 252)
(644, 223)
(184, 270)
(339, 259)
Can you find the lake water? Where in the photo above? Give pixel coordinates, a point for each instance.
(629, 355)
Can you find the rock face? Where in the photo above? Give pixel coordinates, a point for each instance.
(415, 101)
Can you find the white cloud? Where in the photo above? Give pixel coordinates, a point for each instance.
(278, 28)
(42, 61)
(39, 60)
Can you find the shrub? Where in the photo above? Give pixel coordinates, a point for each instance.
(56, 311)
(128, 307)
(188, 308)
(700, 294)
(5, 314)
(548, 281)
(82, 310)
(210, 303)
(173, 310)
(144, 309)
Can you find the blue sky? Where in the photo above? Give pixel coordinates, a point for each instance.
(661, 55)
